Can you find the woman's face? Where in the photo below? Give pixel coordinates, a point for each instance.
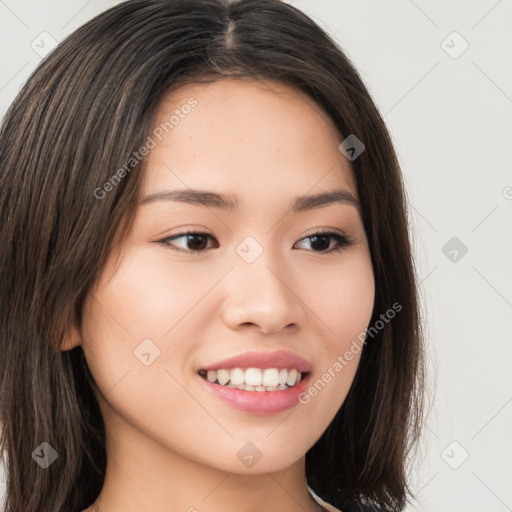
(255, 282)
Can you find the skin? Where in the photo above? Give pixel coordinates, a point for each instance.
(171, 444)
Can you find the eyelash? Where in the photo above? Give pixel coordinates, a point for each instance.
(341, 240)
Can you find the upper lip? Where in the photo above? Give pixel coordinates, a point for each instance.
(279, 359)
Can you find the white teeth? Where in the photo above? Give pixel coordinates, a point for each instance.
(292, 377)
(237, 376)
(270, 377)
(223, 376)
(255, 379)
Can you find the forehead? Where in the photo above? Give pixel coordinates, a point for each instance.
(250, 137)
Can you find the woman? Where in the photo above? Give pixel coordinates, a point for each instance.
(276, 365)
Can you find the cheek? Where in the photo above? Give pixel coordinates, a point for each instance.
(130, 320)
(342, 299)
(343, 302)
(149, 297)
(146, 306)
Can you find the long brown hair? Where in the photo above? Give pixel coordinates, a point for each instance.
(82, 113)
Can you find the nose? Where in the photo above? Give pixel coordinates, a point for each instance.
(263, 296)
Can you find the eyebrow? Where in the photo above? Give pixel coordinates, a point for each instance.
(230, 202)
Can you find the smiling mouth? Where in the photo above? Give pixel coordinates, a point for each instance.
(255, 379)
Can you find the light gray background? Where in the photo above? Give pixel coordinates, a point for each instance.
(451, 117)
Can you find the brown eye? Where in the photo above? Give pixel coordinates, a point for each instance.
(193, 241)
(322, 241)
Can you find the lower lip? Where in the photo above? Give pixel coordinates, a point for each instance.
(259, 402)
